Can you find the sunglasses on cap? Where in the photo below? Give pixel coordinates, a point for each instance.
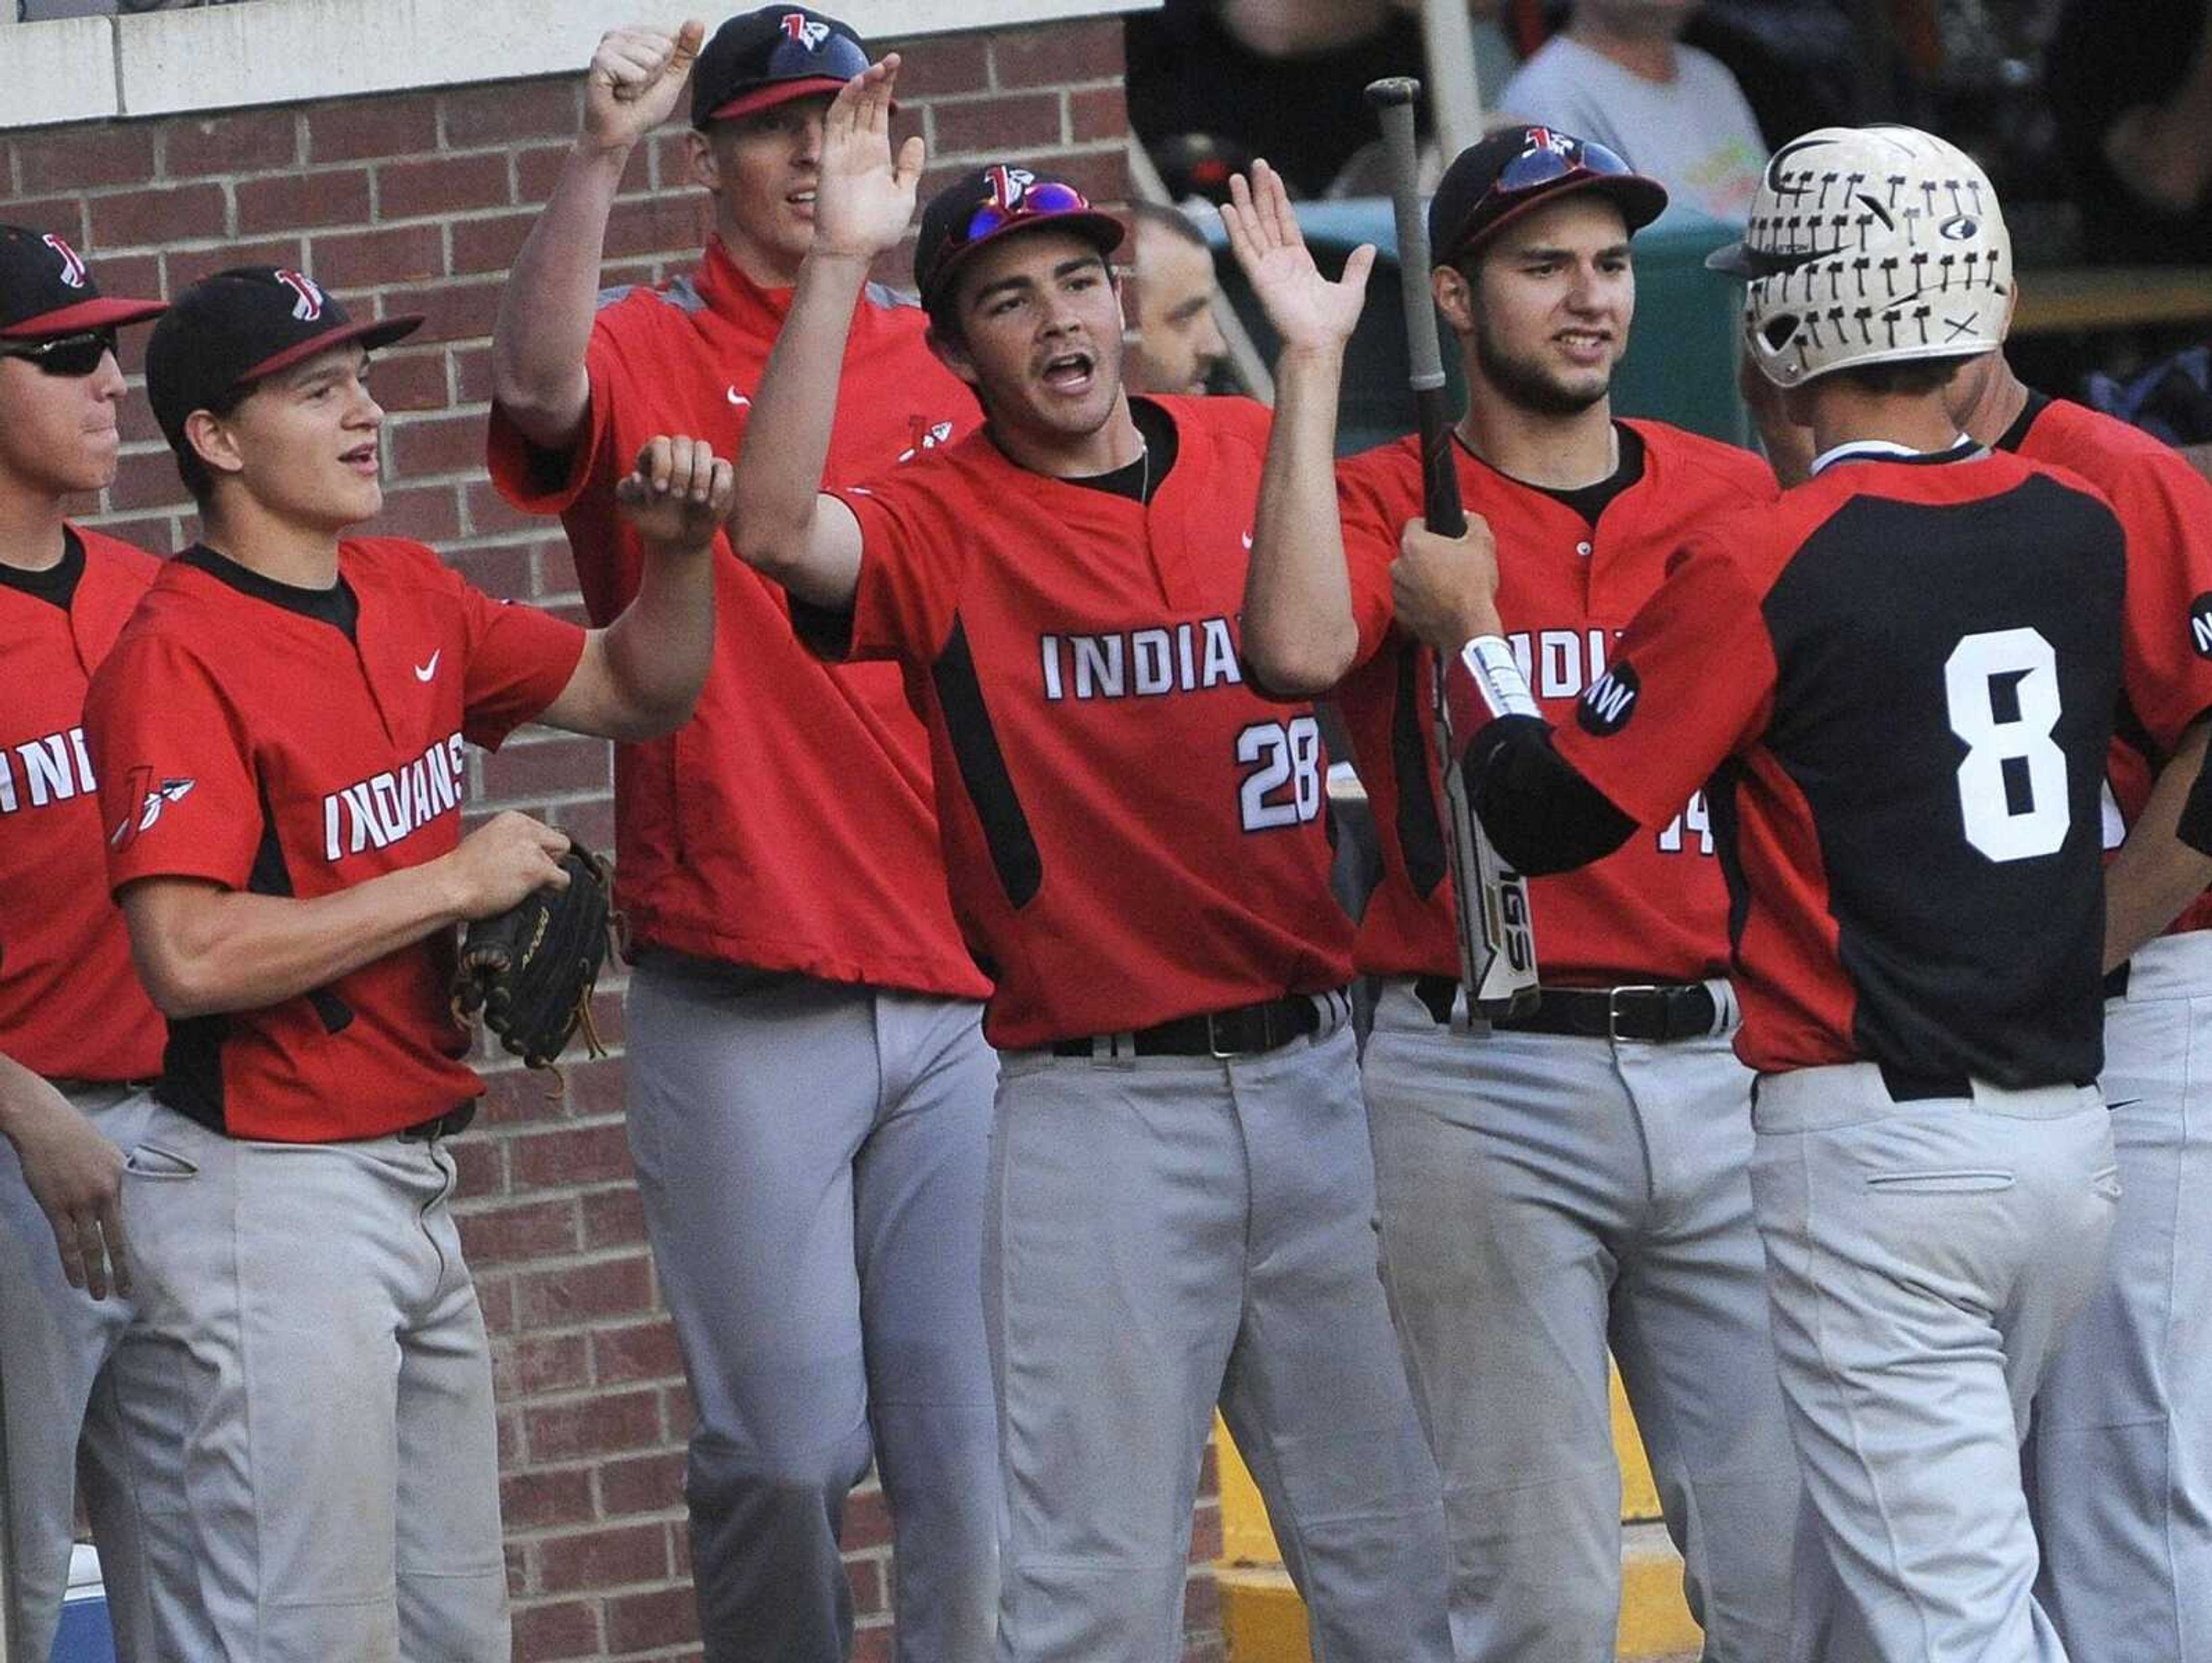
(1047, 197)
(69, 355)
(1562, 158)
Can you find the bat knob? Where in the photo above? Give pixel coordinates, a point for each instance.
(1393, 90)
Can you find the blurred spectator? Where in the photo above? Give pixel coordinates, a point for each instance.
(1175, 344)
(1282, 79)
(2131, 86)
(1620, 74)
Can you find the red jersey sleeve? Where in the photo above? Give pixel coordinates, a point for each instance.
(520, 661)
(178, 791)
(1690, 683)
(911, 560)
(542, 481)
(2165, 508)
(1372, 506)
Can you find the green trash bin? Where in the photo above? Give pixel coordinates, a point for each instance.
(1681, 361)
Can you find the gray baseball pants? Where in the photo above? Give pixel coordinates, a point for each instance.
(317, 1374)
(1925, 1259)
(2121, 1447)
(811, 1160)
(62, 1429)
(1166, 1233)
(1543, 1197)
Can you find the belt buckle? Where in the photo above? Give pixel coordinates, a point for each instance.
(1612, 1005)
(1213, 1040)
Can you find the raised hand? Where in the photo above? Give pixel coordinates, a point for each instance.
(636, 77)
(864, 198)
(679, 494)
(1445, 588)
(1305, 308)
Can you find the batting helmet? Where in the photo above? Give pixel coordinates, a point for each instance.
(1870, 245)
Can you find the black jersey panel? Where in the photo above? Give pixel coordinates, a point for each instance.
(1949, 676)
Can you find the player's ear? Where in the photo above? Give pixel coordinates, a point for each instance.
(214, 443)
(1454, 298)
(706, 167)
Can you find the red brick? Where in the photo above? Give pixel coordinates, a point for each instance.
(581, 1293)
(642, 1483)
(502, 572)
(869, 1593)
(423, 446)
(536, 1501)
(601, 1558)
(370, 129)
(156, 533)
(572, 1155)
(1097, 113)
(536, 167)
(651, 1622)
(457, 312)
(410, 379)
(131, 219)
(1042, 57)
(135, 275)
(245, 142)
(671, 162)
(496, 1297)
(938, 65)
(491, 242)
(547, 1633)
(483, 1163)
(871, 1645)
(868, 1522)
(364, 259)
(533, 1365)
(557, 767)
(643, 1351)
(187, 266)
(62, 215)
(520, 1229)
(427, 513)
(675, 224)
(439, 186)
(146, 480)
(599, 1425)
(681, 1413)
(494, 115)
(614, 1218)
(338, 196)
(591, 823)
(78, 158)
(997, 126)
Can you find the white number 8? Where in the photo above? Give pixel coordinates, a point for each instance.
(1970, 676)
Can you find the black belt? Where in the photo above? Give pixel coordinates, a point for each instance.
(70, 1088)
(1654, 1014)
(1243, 1032)
(1907, 1085)
(451, 1124)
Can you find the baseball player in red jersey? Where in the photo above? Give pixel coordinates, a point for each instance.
(1578, 1178)
(280, 734)
(1923, 646)
(1181, 1186)
(2121, 1449)
(75, 1028)
(809, 1089)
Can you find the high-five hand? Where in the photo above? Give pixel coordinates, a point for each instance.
(865, 199)
(679, 494)
(1305, 308)
(636, 75)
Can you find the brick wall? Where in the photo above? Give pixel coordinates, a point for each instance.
(419, 201)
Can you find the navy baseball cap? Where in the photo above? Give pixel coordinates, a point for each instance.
(1513, 170)
(759, 59)
(979, 207)
(45, 289)
(239, 325)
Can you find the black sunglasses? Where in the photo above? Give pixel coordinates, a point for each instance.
(69, 355)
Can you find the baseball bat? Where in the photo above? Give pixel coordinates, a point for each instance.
(1497, 939)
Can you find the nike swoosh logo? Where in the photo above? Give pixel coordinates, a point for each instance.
(2123, 1102)
(739, 398)
(424, 671)
(1248, 541)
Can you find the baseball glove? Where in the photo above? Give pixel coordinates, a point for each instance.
(532, 968)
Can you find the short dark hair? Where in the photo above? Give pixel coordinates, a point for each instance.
(1173, 221)
(1910, 375)
(198, 477)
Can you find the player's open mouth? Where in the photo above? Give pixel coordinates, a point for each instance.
(1068, 372)
(362, 459)
(1588, 345)
(802, 200)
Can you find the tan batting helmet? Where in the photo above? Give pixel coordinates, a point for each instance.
(1870, 245)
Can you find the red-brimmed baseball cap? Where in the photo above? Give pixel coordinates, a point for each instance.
(237, 327)
(1515, 170)
(978, 209)
(45, 289)
(759, 59)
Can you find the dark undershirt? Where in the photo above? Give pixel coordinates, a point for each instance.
(2016, 435)
(1588, 501)
(336, 605)
(58, 583)
(1140, 481)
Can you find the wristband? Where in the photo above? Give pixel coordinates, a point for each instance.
(1500, 688)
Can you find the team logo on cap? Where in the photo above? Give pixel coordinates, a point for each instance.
(72, 267)
(1543, 139)
(1009, 185)
(797, 26)
(307, 306)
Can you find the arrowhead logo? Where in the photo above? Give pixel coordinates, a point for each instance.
(73, 273)
(309, 305)
(152, 799)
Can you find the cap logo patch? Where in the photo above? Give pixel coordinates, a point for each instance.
(1543, 139)
(307, 306)
(797, 26)
(72, 268)
(1009, 185)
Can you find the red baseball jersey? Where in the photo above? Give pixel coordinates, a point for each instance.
(1132, 834)
(1908, 668)
(788, 825)
(244, 739)
(71, 1004)
(2166, 507)
(1656, 910)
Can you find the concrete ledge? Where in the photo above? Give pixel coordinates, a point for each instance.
(276, 51)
